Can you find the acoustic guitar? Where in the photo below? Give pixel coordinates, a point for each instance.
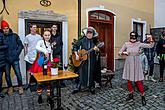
(83, 55)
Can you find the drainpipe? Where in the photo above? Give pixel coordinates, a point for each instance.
(79, 18)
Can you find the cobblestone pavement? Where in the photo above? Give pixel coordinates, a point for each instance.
(105, 98)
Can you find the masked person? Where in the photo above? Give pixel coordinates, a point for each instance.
(133, 71)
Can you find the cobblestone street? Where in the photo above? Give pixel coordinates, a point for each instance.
(105, 98)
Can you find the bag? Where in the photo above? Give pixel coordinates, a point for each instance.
(41, 59)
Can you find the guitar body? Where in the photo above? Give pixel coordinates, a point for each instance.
(82, 57)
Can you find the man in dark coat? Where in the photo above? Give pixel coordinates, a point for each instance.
(160, 49)
(56, 40)
(15, 47)
(87, 68)
(2, 61)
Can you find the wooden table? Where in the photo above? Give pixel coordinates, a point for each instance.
(48, 78)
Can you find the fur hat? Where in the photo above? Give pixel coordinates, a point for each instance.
(4, 24)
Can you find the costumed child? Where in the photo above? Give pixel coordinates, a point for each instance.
(44, 49)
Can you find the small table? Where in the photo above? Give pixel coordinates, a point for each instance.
(48, 78)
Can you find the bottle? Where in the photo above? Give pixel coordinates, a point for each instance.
(45, 68)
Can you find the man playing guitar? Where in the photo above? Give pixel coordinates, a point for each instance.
(87, 68)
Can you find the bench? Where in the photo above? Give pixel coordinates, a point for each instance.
(106, 77)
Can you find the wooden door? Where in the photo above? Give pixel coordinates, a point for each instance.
(103, 22)
(105, 31)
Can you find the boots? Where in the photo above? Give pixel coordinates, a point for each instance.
(77, 89)
(20, 90)
(10, 91)
(143, 100)
(39, 91)
(40, 99)
(130, 96)
(161, 79)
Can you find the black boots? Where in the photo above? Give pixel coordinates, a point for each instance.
(92, 91)
(40, 99)
(129, 97)
(143, 100)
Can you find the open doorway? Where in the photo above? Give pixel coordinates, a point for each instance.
(41, 26)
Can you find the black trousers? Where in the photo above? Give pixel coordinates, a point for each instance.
(162, 67)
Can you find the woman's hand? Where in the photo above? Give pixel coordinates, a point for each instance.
(126, 53)
(47, 54)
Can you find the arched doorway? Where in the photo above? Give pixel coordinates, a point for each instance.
(103, 22)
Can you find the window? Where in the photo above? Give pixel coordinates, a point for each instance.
(99, 16)
(138, 27)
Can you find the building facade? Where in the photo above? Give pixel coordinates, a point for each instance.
(113, 19)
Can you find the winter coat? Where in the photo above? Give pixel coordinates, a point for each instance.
(15, 46)
(2, 51)
(57, 49)
(160, 49)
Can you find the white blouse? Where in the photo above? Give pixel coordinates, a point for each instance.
(40, 47)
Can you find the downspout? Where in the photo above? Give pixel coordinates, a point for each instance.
(79, 18)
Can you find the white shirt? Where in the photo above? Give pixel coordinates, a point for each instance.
(31, 41)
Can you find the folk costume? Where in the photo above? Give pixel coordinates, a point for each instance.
(42, 47)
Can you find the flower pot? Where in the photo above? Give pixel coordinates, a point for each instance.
(54, 71)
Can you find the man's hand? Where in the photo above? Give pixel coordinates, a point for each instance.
(77, 57)
(96, 48)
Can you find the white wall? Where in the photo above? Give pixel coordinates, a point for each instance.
(159, 13)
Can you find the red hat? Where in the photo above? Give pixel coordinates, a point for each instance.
(4, 24)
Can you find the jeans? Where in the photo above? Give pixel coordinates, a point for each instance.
(151, 66)
(17, 71)
(1, 74)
